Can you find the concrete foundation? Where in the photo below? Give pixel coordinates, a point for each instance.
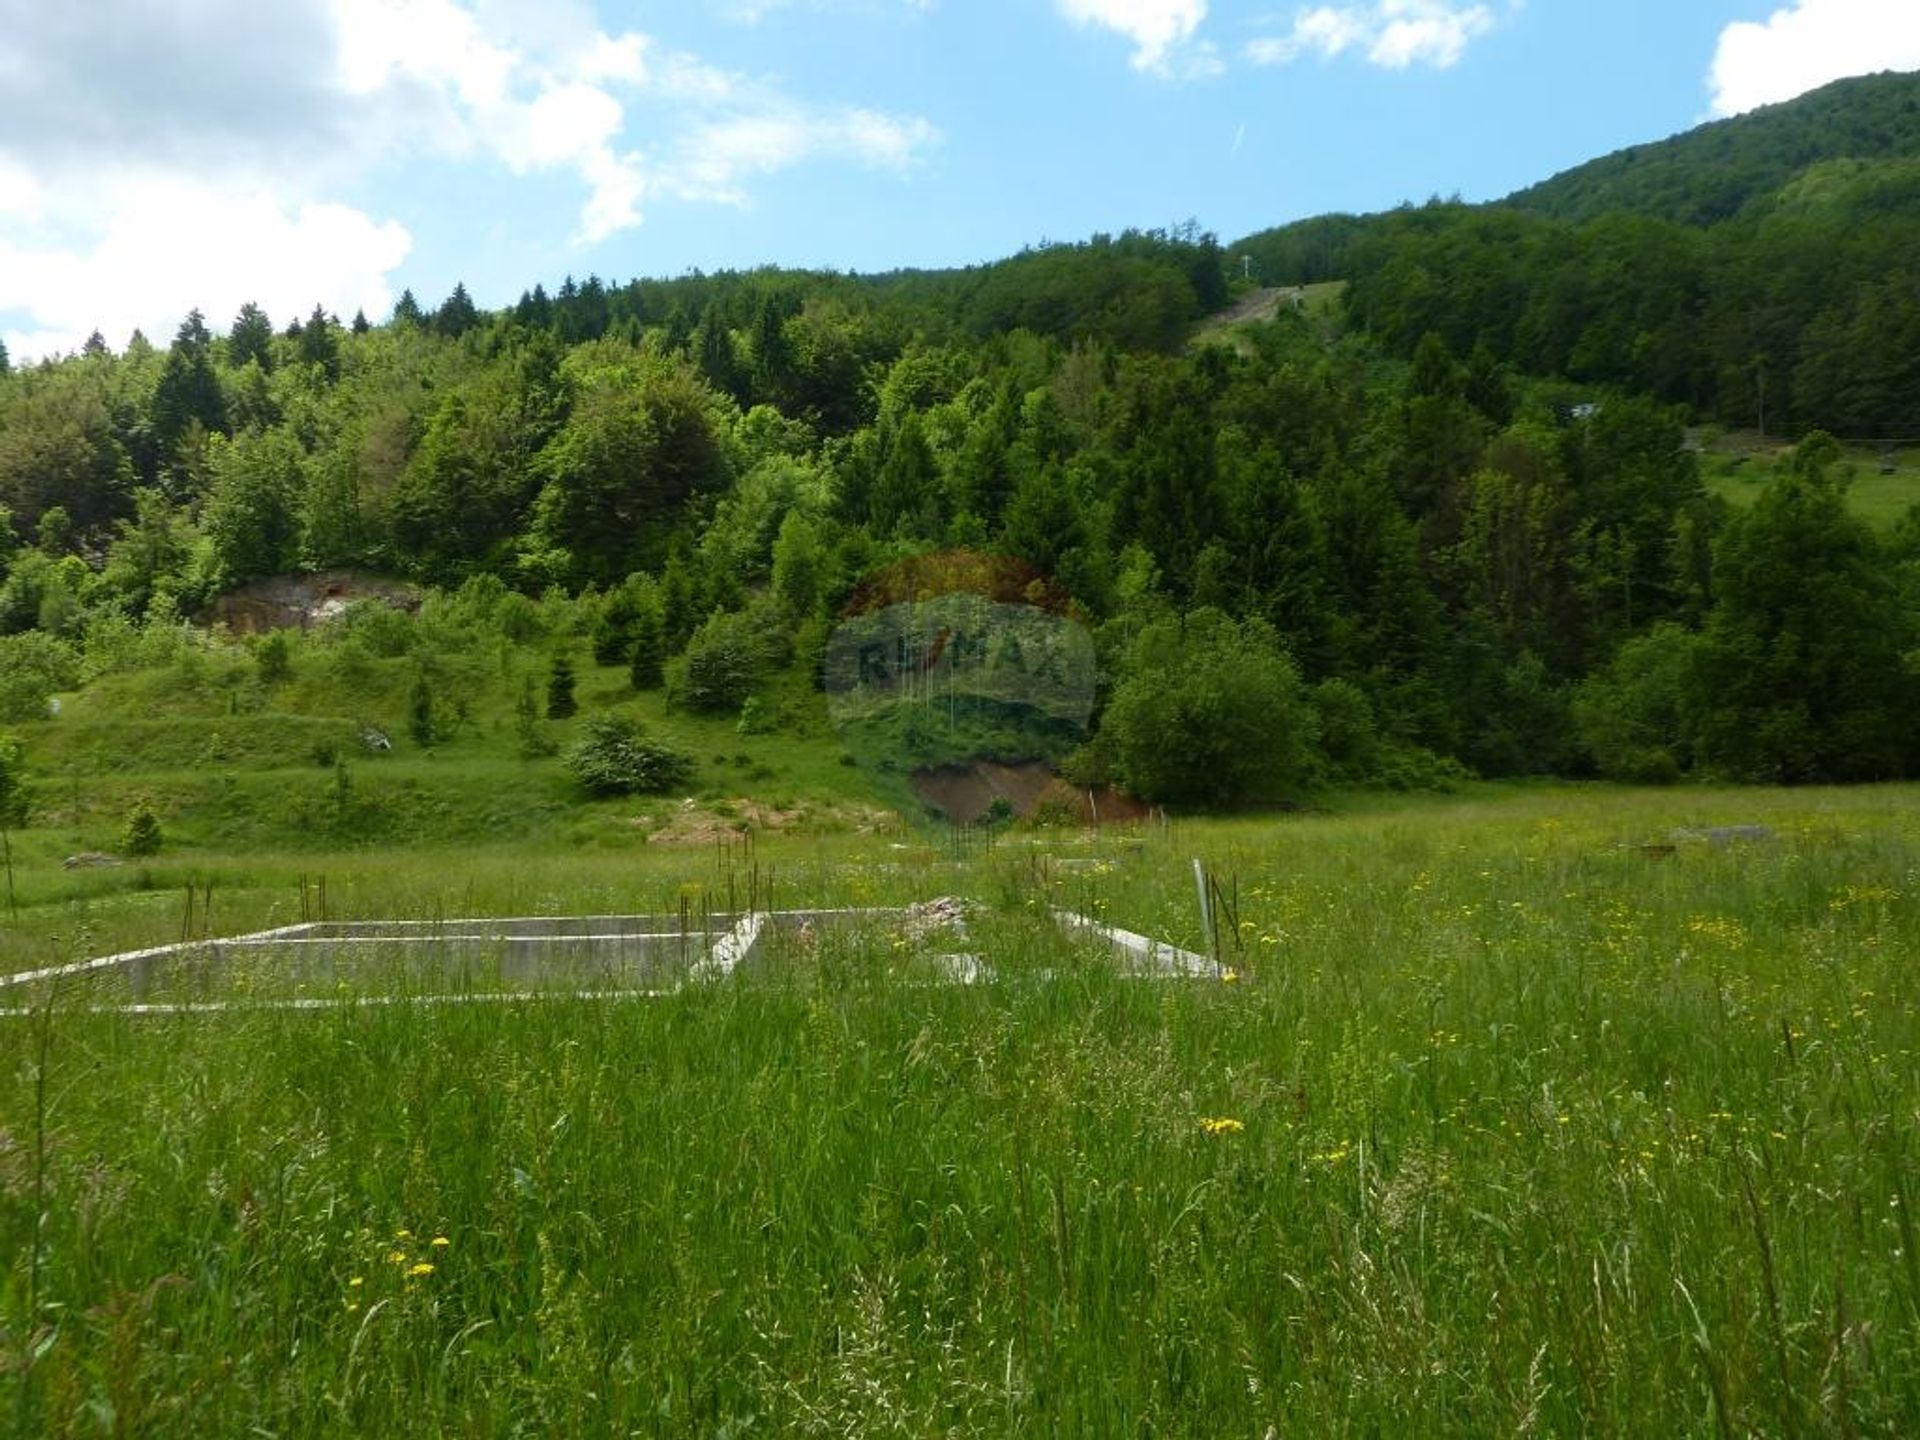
(482, 961)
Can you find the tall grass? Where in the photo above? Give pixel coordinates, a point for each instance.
(1501, 1126)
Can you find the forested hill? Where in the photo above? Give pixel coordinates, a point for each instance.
(1461, 530)
(1797, 307)
(1714, 172)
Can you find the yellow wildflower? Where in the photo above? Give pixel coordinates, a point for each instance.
(1222, 1126)
(423, 1268)
(440, 1242)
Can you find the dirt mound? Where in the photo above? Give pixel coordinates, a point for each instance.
(691, 823)
(965, 794)
(299, 602)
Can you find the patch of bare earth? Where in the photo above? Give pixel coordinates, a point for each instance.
(966, 794)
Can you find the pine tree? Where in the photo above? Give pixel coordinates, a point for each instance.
(143, 835)
(319, 344)
(560, 702)
(251, 338)
(648, 667)
(420, 717)
(458, 315)
(189, 390)
(406, 310)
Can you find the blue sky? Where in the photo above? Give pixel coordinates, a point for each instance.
(161, 154)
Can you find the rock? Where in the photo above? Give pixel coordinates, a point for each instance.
(933, 917)
(91, 860)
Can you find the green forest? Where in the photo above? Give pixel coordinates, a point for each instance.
(1454, 524)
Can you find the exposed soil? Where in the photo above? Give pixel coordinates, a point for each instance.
(299, 602)
(965, 794)
(691, 823)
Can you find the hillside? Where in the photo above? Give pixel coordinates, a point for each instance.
(1758, 271)
(1440, 518)
(1712, 173)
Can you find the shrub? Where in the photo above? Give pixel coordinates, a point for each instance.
(722, 664)
(560, 702)
(142, 835)
(274, 658)
(1211, 712)
(32, 667)
(648, 657)
(616, 757)
(531, 736)
(421, 721)
(1636, 717)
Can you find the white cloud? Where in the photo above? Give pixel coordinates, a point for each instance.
(714, 162)
(1159, 29)
(752, 12)
(1807, 44)
(1394, 34)
(152, 247)
(157, 155)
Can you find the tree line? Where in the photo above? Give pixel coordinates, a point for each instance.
(1303, 559)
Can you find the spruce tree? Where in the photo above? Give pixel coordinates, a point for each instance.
(319, 344)
(251, 338)
(560, 702)
(143, 836)
(649, 663)
(458, 315)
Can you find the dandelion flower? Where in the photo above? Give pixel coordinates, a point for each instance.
(440, 1242)
(1222, 1125)
(1229, 977)
(397, 1257)
(355, 1283)
(423, 1268)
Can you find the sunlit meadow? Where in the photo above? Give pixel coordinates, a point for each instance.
(1498, 1119)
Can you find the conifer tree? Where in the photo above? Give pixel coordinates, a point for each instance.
(560, 702)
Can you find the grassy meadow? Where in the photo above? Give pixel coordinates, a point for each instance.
(1739, 472)
(1497, 1125)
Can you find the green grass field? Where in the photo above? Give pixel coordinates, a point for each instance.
(1503, 1126)
(1879, 499)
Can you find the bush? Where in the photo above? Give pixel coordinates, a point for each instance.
(722, 664)
(1211, 712)
(32, 667)
(648, 658)
(274, 658)
(532, 738)
(1635, 718)
(560, 702)
(616, 757)
(142, 835)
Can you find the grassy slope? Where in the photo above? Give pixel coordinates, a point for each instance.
(1537, 1134)
(1880, 500)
